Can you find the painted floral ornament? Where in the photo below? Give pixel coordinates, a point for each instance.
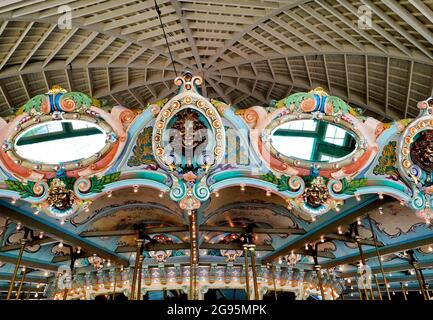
(160, 256)
(231, 255)
(292, 259)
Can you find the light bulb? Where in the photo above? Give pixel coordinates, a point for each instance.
(380, 196)
(135, 189)
(358, 197)
(268, 193)
(61, 244)
(217, 194)
(109, 194)
(161, 194)
(41, 235)
(242, 187)
(339, 230)
(14, 201)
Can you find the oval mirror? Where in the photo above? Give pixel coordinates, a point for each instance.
(313, 140)
(63, 141)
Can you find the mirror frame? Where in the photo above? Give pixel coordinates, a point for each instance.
(353, 156)
(316, 104)
(52, 167)
(67, 165)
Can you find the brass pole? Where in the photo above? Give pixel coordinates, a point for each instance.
(115, 282)
(134, 275)
(140, 274)
(414, 264)
(361, 253)
(253, 267)
(425, 285)
(404, 291)
(194, 256)
(319, 279)
(377, 287)
(359, 290)
(274, 282)
(28, 292)
(23, 276)
(313, 252)
(379, 257)
(247, 270)
(191, 278)
(17, 265)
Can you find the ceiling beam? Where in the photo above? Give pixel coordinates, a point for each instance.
(221, 229)
(16, 45)
(395, 267)
(344, 238)
(59, 46)
(185, 27)
(384, 250)
(49, 228)
(27, 262)
(409, 19)
(238, 36)
(327, 227)
(28, 278)
(14, 247)
(25, 288)
(395, 26)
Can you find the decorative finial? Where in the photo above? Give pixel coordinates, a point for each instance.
(320, 91)
(56, 89)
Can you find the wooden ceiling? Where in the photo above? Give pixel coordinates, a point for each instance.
(248, 51)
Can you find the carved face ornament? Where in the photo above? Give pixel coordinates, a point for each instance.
(317, 193)
(422, 151)
(59, 197)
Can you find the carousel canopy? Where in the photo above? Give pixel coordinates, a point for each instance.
(294, 135)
